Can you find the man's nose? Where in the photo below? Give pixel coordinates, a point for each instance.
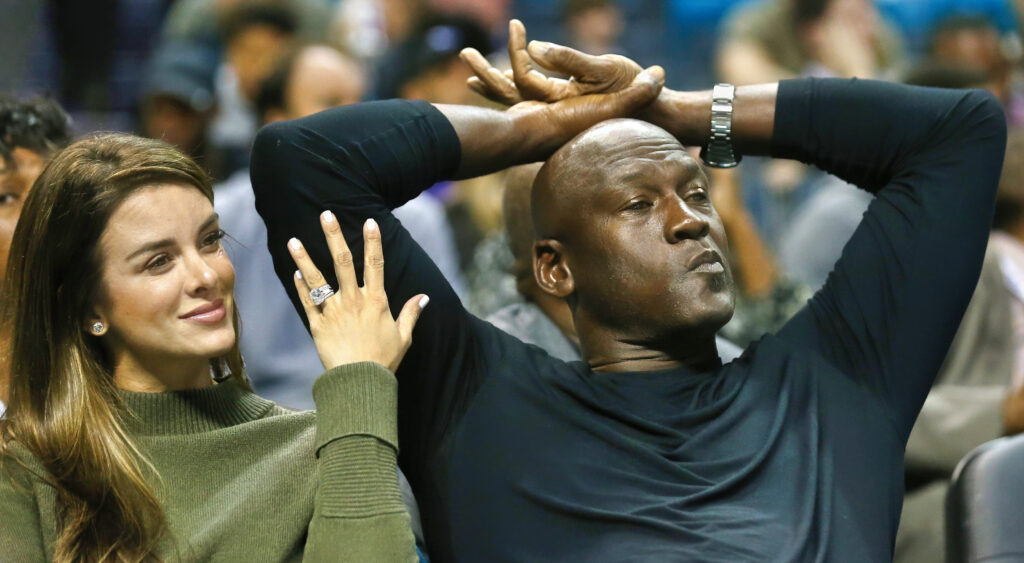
(682, 222)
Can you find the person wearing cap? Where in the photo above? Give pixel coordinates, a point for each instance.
(177, 100)
(652, 449)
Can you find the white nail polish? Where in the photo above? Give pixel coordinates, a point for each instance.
(298, 275)
(424, 300)
(371, 225)
(327, 216)
(294, 244)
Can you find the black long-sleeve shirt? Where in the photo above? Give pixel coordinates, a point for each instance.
(791, 452)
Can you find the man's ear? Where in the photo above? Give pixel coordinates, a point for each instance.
(551, 268)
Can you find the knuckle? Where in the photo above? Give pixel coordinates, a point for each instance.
(343, 258)
(375, 262)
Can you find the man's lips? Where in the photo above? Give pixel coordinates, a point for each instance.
(707, 261)
(210, 313)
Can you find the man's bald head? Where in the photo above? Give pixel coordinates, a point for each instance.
(582, 165)
(626, 234)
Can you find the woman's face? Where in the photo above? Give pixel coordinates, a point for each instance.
(166, 282)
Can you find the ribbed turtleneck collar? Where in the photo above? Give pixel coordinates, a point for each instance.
(196, 410)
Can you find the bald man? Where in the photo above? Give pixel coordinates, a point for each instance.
(541, 318)
(652, 449)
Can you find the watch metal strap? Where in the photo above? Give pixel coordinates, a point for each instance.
(719, 153)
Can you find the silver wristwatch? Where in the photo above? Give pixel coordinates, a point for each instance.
(718, 153)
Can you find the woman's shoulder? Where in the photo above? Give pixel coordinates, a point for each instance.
(18, 467)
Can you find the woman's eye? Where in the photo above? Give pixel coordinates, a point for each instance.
(214, 238)
(158, 262)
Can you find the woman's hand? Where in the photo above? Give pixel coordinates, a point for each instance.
(354, 324)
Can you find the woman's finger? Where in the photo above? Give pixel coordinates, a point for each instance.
(312, 311)
(340, 253)
(373, 264)
(310, 274)
(409, 315)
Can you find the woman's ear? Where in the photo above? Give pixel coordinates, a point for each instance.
(96, 324)
(551, 268)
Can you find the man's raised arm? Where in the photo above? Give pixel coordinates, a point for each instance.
(363, 160)
(891, 306)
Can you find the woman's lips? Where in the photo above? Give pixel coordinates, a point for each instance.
(207, 314)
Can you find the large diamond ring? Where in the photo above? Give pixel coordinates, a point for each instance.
(320, 294)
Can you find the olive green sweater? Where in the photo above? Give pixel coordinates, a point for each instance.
(242, 479)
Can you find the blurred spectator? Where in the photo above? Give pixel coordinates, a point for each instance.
(177, 99)
(366, 28)
(199, 21)
(426, 66)
(256, 34)
(979, 392)
(771, 40)
(775, 39)
(593, 26)
(974, 43)
(30, 132)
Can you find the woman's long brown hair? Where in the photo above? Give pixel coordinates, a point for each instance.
(64, 408)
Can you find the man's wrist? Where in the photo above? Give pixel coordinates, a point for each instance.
(683, 114)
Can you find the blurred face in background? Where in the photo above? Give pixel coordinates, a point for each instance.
(16, 178)
(252, 53)
(323, 78)
(170, 119)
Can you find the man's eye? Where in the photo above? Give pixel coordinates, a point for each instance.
(638, 205)
(699, 197)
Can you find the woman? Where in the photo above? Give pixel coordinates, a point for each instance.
(132, 433)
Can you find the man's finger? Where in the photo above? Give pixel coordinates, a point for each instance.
(307, 302)
(409, 315)
(489, 82)
(373, 263)
(340, 253)
(310, 274)
(643, 90)
(531, 84)
(566, 60)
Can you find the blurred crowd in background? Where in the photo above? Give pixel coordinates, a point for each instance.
(205, 74)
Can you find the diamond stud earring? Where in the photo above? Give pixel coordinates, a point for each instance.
(97, 327)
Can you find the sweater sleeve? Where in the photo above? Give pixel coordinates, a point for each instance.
(358, 513)
(362, 161)
(891, 306)
(21, 537)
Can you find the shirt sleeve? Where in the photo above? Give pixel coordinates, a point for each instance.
(362, 161)
(891, 306)
(358, 513)
(21, 536)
